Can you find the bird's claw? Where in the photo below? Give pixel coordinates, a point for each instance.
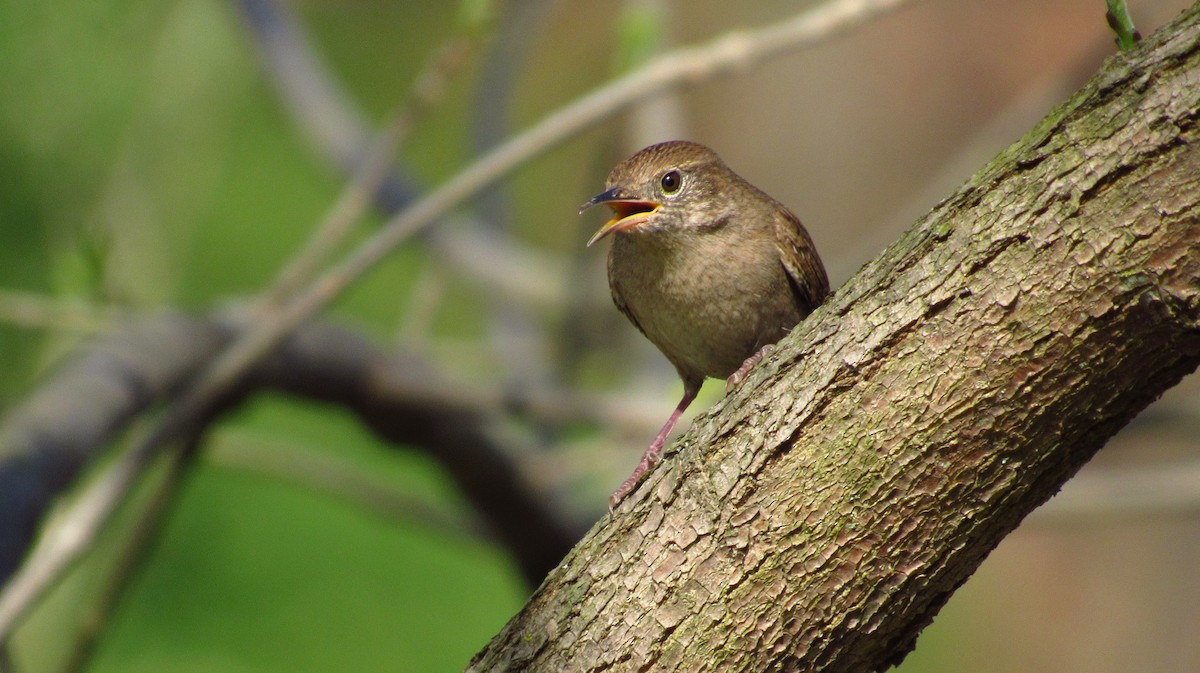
(735, 379)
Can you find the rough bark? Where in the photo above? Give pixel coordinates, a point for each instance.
(820, 517)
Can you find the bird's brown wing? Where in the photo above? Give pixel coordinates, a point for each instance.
(800, 260)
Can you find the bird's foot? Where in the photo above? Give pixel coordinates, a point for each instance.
(654, 451)
(649, 460)
(735, 379)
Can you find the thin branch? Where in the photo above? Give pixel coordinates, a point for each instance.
(30, 309)
(339, 220)
(143, 533)
(334, 124)
(493, 95)
(519, 347)
(428, 89)
(67, 540)
(336, 127)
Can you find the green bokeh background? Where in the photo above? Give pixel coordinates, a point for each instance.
(146, 162)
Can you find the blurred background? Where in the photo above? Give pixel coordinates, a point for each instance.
(153, 155)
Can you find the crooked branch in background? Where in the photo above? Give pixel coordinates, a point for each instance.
(397, 398)
(29, 309)
(731, 54)
(534, 404)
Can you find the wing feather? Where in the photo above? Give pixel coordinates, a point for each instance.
(799, 257)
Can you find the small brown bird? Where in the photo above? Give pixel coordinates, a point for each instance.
(706, 265)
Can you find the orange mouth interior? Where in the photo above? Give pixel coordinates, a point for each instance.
(627, 213)
(625, 209)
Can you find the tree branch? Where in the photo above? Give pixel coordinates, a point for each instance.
(45, 441)
(820, 516)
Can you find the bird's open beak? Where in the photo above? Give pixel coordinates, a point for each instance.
(629, 212)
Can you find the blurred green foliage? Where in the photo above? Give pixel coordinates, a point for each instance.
(146, 162)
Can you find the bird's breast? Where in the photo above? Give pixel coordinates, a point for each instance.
(707, 303)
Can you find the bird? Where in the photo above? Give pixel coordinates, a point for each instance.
(708, 267)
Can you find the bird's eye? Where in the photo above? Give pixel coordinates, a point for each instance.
(671, 181)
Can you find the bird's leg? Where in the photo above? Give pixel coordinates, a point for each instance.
(735, 379)
(654, 451)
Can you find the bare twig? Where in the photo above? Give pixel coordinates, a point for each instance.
(493, 96)
(733, 53)
(520, 347)
(338, 221)
(29, 309)
(69, 538)
(335, 125)
(1122, 24)
(142, 535)
(428, 89)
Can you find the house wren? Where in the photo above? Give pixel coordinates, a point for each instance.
(706, 265)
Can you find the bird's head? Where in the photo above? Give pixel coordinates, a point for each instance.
(670, 186)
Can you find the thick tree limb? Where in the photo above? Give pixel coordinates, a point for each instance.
(821, 516)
